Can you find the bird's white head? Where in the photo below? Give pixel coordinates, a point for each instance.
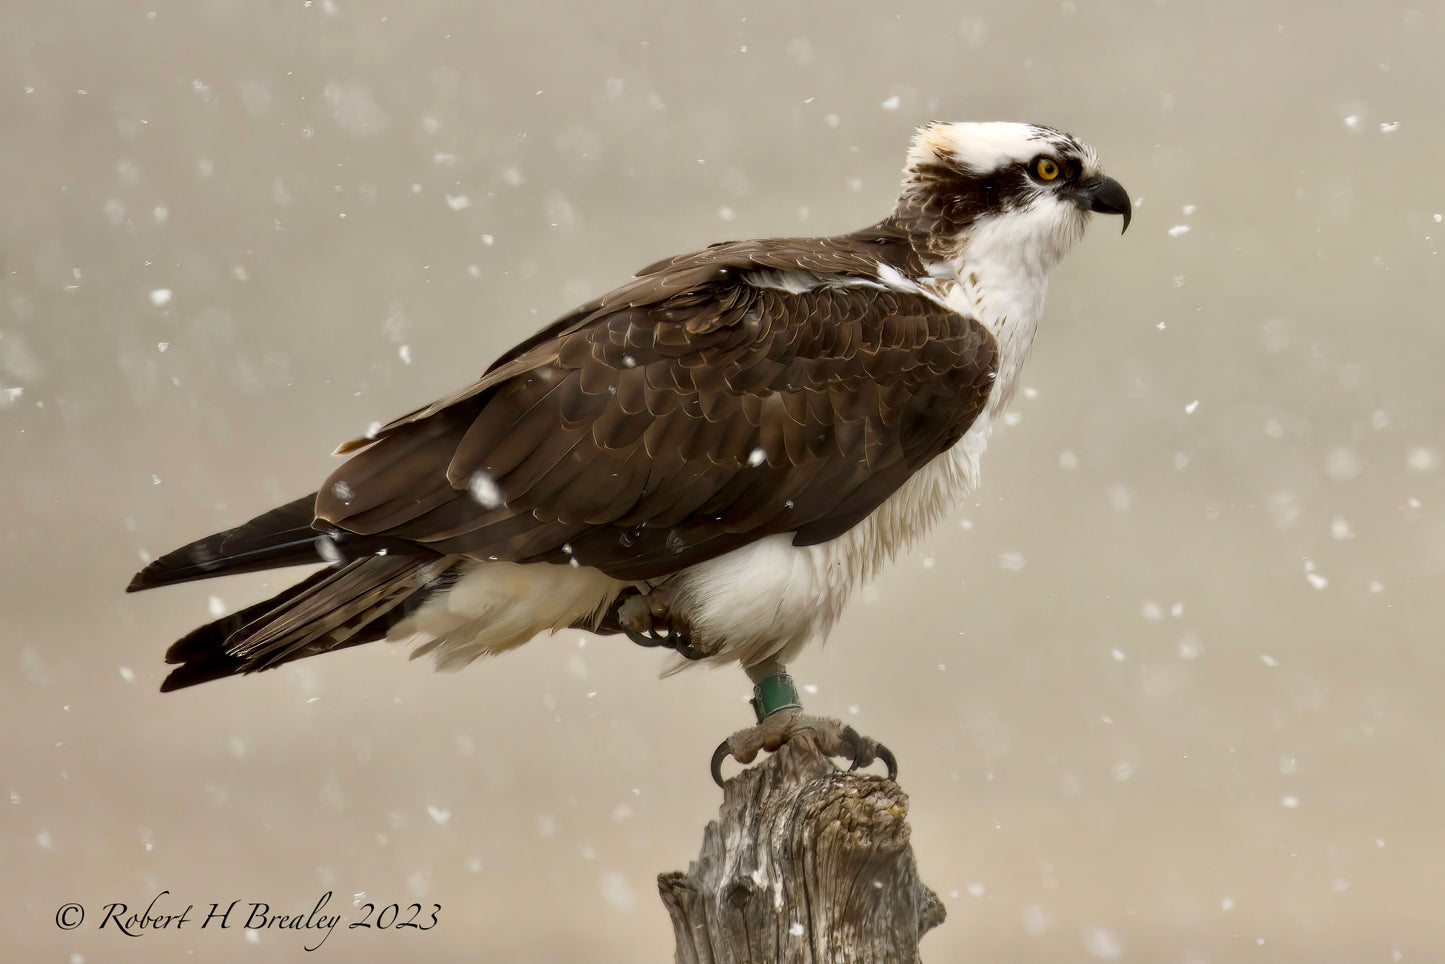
(1028, 189)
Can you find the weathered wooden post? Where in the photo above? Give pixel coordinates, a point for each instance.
(806, 864)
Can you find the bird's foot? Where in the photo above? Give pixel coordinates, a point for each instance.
(780, 726)
(648, 620)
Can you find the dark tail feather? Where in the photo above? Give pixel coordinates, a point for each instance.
(329, 610)
(281, 537)
(202, 651)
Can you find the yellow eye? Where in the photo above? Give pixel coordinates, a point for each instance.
(1046, 169)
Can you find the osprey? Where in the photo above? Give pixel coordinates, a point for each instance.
(710, 457)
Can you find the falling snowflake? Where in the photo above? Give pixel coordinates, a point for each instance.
(617, 891)
(1013, 561)
(326, 549)
(1421, 459)
(1102, 943)
(484, 490)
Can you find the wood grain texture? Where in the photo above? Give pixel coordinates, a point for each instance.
(805, 864)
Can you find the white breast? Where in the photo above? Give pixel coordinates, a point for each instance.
(770, 598)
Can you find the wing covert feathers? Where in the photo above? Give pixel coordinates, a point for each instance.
(685, 414)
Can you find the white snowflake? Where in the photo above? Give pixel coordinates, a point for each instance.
(484, 490)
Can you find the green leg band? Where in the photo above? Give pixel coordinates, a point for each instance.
(773, 693)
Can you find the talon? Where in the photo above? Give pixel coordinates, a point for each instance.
(861, 755)
(685, 649)
(830, 737)
(889, 760)
(723, 751)
(643, 639)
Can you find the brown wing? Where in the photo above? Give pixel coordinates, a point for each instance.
(684, 415)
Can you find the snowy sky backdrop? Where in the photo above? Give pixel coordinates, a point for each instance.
(1167, 690)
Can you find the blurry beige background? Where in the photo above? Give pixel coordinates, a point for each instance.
(1169, 690)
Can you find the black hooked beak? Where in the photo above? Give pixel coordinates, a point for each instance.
(1105, 195)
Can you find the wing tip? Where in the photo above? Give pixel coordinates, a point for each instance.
(194, 674)
(170, 684)
(147, 578)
